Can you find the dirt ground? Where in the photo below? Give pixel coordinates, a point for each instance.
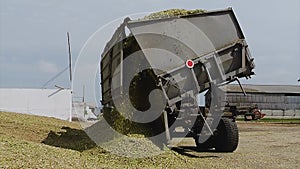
(261, 145)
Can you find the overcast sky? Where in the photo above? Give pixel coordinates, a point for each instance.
(33, 45)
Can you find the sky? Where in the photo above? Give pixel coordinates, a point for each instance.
(33, 43)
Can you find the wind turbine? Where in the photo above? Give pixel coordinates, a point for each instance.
(61, 72)
(70, 77)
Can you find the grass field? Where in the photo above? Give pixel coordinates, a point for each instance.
(276, 120)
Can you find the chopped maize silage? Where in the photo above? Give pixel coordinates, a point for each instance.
(173, 12)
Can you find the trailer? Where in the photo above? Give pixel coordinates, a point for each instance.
(248, 112)
(152, 70)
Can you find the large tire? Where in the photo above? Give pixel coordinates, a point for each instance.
(228, 136)
(206, 146)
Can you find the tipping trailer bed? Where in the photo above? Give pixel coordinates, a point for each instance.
(154, 55)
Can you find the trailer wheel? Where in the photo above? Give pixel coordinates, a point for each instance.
(206, 146)
(228, 136)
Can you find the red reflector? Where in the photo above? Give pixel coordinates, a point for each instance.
(189, 63)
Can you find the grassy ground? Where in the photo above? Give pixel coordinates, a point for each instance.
(275, 120)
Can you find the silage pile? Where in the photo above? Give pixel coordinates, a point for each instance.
(125, 138)
(133, 146)
(172, 13)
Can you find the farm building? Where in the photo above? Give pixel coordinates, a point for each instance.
(273, 100)
(45, 102)
(42, 102)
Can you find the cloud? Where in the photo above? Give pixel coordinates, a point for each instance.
(47, 67)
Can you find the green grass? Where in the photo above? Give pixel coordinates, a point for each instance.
(282, 120)
(276, 120)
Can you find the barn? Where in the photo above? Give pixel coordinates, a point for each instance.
(273, 100)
